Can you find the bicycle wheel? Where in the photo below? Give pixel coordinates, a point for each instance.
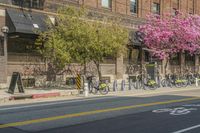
(164, 83)
(153, 87)
(139, 84)
(134, 85)
(104, 91)
(178, 84)
(94, 91)
(198, 81)
(185, 83)
(103, 88)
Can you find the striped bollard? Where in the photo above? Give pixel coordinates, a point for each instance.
(78, 82)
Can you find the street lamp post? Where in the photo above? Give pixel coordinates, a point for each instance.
(5, 30)
(140, 37)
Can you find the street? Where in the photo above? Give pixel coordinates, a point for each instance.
(166, 113)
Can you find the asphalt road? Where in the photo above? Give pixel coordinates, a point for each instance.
(156, 114)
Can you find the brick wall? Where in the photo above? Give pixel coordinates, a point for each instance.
(119, 7)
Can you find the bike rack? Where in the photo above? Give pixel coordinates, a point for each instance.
(196, 82)
(86, 89)
(123, 85)
(115, 85)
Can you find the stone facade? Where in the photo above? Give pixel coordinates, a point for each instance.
(118, 8)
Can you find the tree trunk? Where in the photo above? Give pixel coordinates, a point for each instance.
(166, 64)
(97, 63)
(84, 67)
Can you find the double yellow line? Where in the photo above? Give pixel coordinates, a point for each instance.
(93, 112)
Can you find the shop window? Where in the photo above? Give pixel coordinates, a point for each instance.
(21, 45)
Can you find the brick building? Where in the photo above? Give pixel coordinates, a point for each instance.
(24, 16)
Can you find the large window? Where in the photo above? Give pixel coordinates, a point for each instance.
(156, 8)
(106, 3)
(36, 4)
(133, 6)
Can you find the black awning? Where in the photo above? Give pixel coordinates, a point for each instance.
(20, 21)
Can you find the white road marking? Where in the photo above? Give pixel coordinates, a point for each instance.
(191, 105)
(54, 103)
(175, 111)
(187, 129)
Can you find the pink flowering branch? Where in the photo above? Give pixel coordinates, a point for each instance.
(169, 35)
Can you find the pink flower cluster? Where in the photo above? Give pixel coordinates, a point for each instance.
(171, 34)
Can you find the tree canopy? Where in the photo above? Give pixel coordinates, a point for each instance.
(172, 34)
(75, 38)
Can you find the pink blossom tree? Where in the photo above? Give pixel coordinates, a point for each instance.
(171, 34)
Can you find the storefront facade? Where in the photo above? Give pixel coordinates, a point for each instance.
(25, 17)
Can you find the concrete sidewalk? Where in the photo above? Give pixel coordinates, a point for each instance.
(41, 95)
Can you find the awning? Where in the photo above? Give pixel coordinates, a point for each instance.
(24, 22)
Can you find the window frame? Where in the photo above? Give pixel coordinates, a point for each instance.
(157, 7)
(134, 6)
(109, 4)
(35, 4)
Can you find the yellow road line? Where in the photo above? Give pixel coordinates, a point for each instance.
(93, 112)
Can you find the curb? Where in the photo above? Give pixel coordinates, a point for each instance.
(35, 96)
(38, 95)
(46, 95)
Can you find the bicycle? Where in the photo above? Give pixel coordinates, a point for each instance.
(167, 81)
(146, 82)
(174, 80)
(95, 87)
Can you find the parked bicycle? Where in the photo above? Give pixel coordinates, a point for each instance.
(95, 86)
(146, 82)
(178, 81)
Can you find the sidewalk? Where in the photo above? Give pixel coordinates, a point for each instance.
(34, 95)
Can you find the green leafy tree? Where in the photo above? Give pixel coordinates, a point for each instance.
(110, 40)
(76, 38)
